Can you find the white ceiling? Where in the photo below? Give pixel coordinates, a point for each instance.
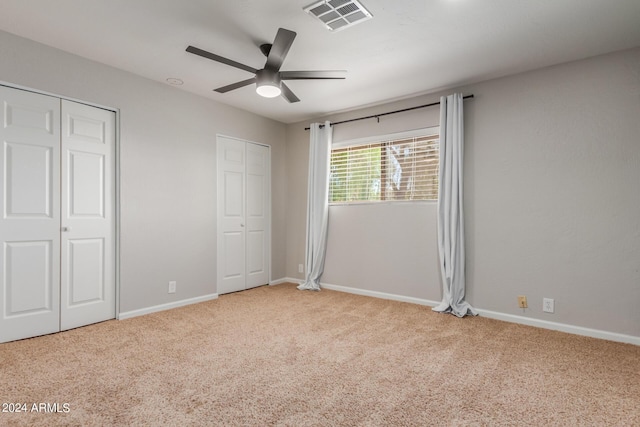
(410, 47)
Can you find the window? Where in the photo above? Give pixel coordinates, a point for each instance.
(396, 167)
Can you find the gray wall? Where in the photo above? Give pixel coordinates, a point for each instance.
(168, 168)
(552, 199)
(389, 248)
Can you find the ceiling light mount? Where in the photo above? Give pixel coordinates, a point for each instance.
(175, 81)
(338, 14)
(265, 49)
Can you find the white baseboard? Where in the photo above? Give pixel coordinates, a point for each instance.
(284, 280)
(545, 324)
(181, 303)
(562, 327)
(168, 306)
(377, 294)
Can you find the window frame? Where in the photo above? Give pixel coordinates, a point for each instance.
(382, 139)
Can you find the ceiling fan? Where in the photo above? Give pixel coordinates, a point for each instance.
(269, 80)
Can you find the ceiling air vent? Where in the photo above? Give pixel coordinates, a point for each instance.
(338, 14)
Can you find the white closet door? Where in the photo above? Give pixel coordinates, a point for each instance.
(88, 215)
(257, 214)
(243, 215)
(231, 205)
(30, 214)
(57, 214)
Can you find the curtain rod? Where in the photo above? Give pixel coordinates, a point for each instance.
(377, 116)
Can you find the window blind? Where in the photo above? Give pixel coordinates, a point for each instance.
(392, 170)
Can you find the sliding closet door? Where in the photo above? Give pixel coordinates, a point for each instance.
(243, 215)
(88, 215)
(29, 215)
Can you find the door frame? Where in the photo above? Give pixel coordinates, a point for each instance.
(116, 172)
(269, 200)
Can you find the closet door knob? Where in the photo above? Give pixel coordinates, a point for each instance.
(65, 229)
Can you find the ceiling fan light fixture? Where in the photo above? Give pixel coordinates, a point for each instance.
(268, 90)
(268, 83)
(269, 80)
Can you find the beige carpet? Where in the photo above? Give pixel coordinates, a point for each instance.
(278, 356)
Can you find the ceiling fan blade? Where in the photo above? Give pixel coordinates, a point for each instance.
(287, 94)
(238, 85)
(279, 49)
(313, 75)
(217, 58)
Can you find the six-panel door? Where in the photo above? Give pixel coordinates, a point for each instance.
(30, 214)
(257, 215)
(88, 225)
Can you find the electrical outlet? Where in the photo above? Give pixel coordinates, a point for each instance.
(522, 301)
(172, 287)
(548, 305)
(300, 268)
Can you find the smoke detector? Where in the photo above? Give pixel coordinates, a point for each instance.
(338, 14)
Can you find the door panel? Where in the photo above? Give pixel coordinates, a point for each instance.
(29, 214)
(233, 249)
(255, 195)
(29, 278)
(255, 252)
(233, 195)
(28, 186)
(86, 260)
(87, 129)
(23, 110)
(86, 185)
(88, 215)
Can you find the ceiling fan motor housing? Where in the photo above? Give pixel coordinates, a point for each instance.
(268, 83)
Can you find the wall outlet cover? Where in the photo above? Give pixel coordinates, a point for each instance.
(522, 301)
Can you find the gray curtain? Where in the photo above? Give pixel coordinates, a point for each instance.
(450, 208)
(317, 204)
